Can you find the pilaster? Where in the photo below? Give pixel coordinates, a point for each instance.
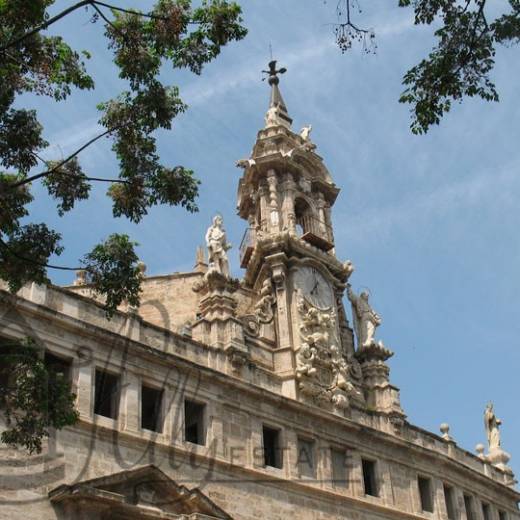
(85, 388)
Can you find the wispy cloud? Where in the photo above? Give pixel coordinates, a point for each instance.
(418, 210)
(66, 141)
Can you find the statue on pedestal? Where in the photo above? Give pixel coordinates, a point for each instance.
(305, 132)
(492, 423)
(218, 246)
(366, 320)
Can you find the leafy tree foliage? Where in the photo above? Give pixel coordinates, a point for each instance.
(461, 62)
(34, 396)
(30, 61)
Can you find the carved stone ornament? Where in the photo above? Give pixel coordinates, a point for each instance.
(323, 373)
(263, 310)
(237, 358)
(213, 281)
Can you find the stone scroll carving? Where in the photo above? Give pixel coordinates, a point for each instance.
(263, 311)
(324, 375)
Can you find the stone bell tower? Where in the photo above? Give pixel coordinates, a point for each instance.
(286, 195)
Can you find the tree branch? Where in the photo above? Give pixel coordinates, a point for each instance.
(61, 163)
(131, 11)
(46, 24)
(102, 14)
(74, 7)
(32, 261)
(99, 179)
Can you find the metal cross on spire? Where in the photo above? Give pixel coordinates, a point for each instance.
(273, 78)
(277, 112)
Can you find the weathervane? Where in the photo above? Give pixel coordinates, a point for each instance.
(273, 79)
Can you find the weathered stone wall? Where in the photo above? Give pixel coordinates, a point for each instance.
(229, 468)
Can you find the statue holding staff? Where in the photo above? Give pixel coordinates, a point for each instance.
(217, 244)
(366, 320)
(492, 423)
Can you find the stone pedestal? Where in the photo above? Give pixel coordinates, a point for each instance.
(499, 458)
(381, 396)
(217, 324)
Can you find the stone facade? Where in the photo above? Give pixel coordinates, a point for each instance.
(263, 406)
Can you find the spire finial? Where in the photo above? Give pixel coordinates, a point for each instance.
(277, 113)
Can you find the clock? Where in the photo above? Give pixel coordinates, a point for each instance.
(314, 286)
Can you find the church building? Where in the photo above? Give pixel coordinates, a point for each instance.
(246, 399)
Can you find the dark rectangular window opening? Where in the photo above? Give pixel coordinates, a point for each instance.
(151, 409)
(106, 394)
(271, 444)
(369, 477)
(425, 492)
(339, 468)
(306, 463)
(59, 366)
(468, 505)
(194, 426)
(449, 498)
(486, 511)
(502, 515)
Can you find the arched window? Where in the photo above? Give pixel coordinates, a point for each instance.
(308, 226)
(304, 216)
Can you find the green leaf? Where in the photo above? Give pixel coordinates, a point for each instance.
(34, 397)
(66, 183)
(112, 269)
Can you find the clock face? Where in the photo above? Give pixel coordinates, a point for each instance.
(314, 287)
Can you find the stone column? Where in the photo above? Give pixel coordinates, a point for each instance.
(385, 483)
(274, 212)
(264, 208)
(328, 222)
(290, 440)
(355, 472)
(320, 204)
(130, 402)
(85, 389)
(288, 215)
(439, 503)
(278, 266)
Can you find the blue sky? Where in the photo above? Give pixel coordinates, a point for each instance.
(430, 222)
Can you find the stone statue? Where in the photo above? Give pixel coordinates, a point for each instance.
(366, 320)
(305, 132)
(245, 163)
(340, 370)
(272, 118)
(492, 423)
(305, 361)
(217, 244)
